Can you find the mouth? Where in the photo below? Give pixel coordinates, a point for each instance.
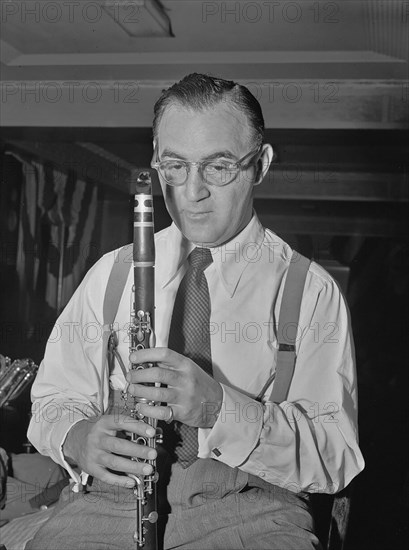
(196, 215)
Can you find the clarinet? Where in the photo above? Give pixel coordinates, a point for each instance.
(142, 336)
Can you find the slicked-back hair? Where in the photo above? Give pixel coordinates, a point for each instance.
(199, 92)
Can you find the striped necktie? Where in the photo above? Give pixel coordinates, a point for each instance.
(190, 335)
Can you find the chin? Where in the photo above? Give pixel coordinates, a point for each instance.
(199, 236)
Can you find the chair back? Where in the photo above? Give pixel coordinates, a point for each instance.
(331, 514)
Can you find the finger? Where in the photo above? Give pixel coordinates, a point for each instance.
(129, 448)
(158, 395)
(158, 412)
(122, 464)
(165, 356)
(112, 479)
(125, 422)
(153, 375)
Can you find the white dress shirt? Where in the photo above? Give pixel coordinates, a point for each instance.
(307, 443)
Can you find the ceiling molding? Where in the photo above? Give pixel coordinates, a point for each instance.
(201, 57)
(107, 155)
(286, 103)
(379, 69)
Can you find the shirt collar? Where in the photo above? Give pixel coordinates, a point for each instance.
(230, 259)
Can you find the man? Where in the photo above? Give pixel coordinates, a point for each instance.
(247, 484)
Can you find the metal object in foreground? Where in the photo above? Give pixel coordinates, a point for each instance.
(15, 377)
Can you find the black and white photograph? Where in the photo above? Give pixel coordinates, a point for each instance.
(204, 308)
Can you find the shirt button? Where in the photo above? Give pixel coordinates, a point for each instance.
(216, 451)
(262, 474)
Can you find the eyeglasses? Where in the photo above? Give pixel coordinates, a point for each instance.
(217, 172)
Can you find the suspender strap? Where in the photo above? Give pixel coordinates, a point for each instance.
(288, 326)
(113, 293)
(116, 284)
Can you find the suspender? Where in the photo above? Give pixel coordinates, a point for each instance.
(113, 294)
(288, 326)
(116, 284)
(287, 323)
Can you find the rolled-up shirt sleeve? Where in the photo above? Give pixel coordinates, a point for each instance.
(308, 442)
(72, 383)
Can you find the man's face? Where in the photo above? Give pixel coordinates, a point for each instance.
(206, 214)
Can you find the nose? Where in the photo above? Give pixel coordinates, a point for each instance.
(196, 188)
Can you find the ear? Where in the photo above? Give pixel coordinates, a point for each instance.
(263, 163)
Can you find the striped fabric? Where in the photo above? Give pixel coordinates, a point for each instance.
(59, 234)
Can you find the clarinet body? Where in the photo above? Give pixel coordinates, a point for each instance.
(141, 336)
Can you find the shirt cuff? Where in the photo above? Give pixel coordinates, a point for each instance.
(236, 431)
(79, 479)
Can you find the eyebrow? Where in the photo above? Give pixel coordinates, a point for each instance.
(218, 154)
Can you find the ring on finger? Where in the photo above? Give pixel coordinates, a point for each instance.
(170, 419)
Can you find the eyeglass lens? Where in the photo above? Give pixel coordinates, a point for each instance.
(214, 173)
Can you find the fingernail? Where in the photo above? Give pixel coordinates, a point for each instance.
(147, 470)
(152, 455)
(150, 432)
(130, 484)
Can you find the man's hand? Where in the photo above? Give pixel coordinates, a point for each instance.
(94, 447)
(195, 397)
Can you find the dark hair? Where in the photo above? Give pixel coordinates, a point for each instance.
(200, 91)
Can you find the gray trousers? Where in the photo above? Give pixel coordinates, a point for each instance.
(209, 506)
